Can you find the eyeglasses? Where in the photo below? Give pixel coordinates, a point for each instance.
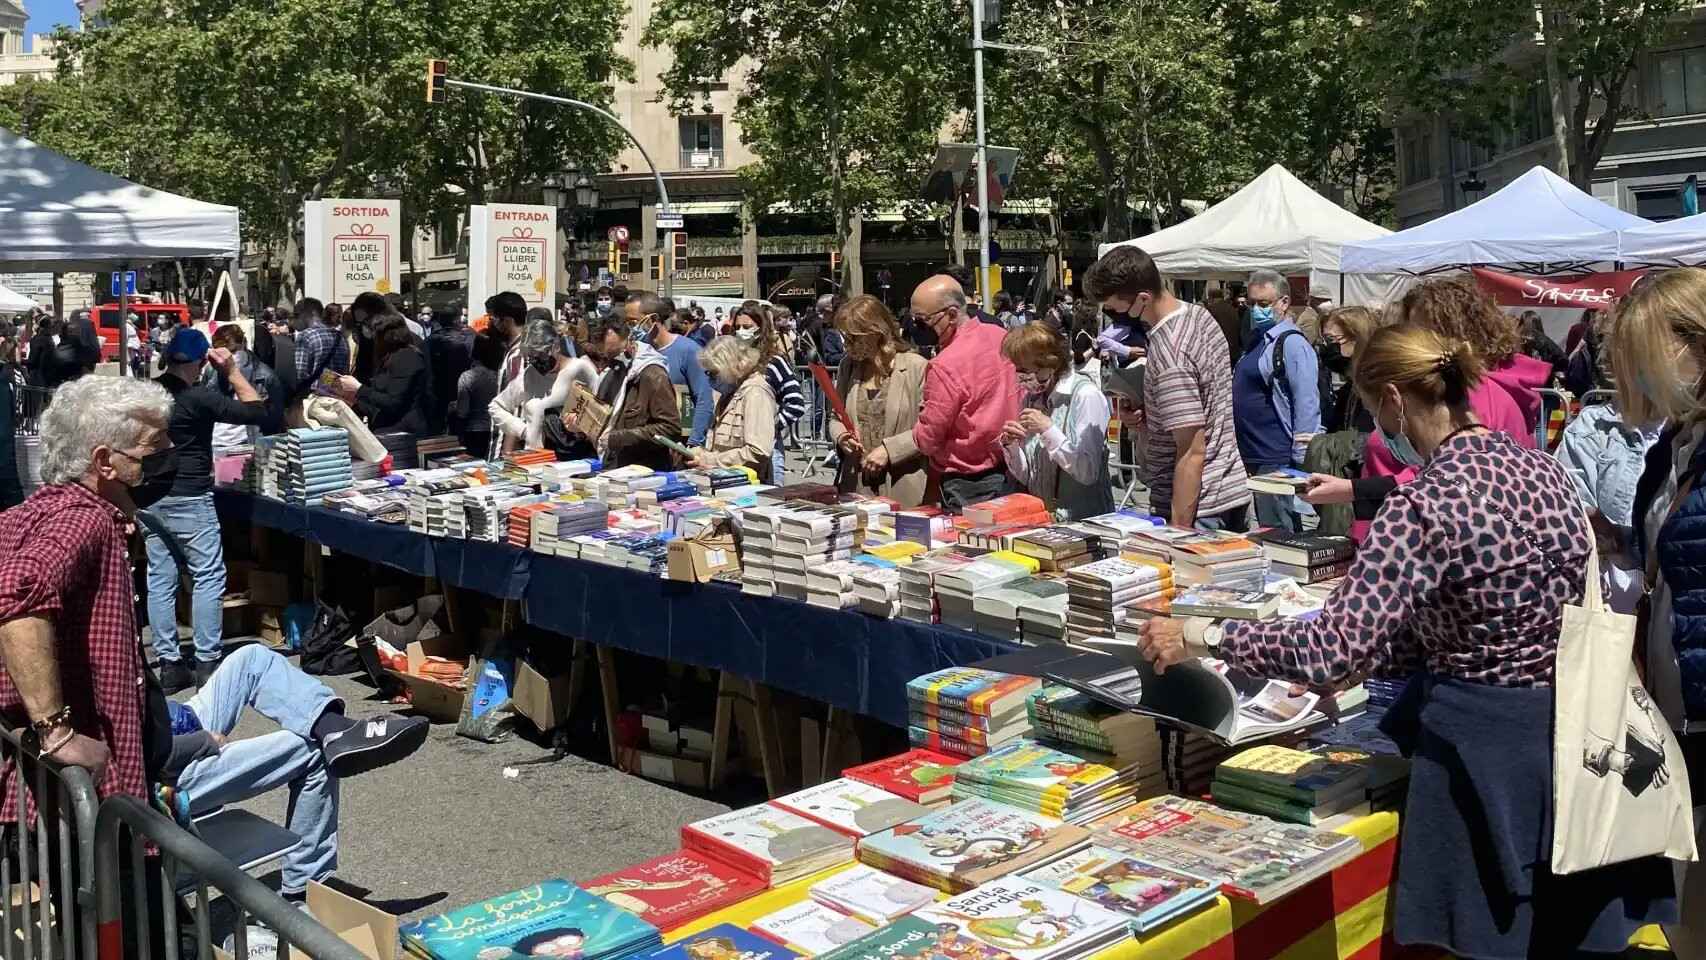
(1332, 341)
(927, 318)
(1267, 301)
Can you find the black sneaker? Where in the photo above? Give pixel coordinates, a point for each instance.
(373, 743)
(175, 677)
(204, 671)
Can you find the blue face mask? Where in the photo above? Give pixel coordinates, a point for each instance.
(1400, 446)
(1261, 318)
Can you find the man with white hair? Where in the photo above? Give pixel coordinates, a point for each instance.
(74, 674)
(1276, 398)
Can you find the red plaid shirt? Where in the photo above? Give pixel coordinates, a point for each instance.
(63, 558)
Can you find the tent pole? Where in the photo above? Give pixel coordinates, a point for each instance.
(123, 320)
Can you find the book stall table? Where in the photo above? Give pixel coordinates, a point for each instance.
(841, 658)
(1343, 915)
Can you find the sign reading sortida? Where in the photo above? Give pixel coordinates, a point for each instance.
(351, 247)
(513, 247)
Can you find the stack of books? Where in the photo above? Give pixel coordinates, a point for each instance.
(521, 523)
(311, 463)
(807, 536)
(1224, 603)
(1251, 856)
(1005, 915)
(923, 776)
(935, 850)
(1121, 525)
(834, 584)
(1189, 759)
(876, 590)
(871, 895)
(438, 451)
(1076, 787)
(851, 807)
(997, 613)
(925, 526)
(1010, 509)
(1218, 560)
(1291, 785)
(1042, 616)
(724, 940)
(1305, 558)
(552, 528)
(675, 888)
(487, 510)
(984, 702)
(550, 918)
(1146, 894)
(1001, 536)
(1064, 715)
(1383, 691)
(957, 589)
(768, 842)
(1097, 591)
(1061, 547)
(1388, 773)
(1285, 482)
(917, 586)
(400, 448)
(758, 549)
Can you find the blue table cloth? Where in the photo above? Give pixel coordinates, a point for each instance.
(839, 657)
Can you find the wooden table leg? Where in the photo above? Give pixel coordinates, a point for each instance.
(769, 741)
(612, 695)
(831, 743)
(577, 674)
(722, 728)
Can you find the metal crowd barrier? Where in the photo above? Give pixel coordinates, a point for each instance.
(47, 875)
(126, 832)
(813, 428)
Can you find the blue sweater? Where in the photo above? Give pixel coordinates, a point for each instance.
(681, 359)
(1682, 559)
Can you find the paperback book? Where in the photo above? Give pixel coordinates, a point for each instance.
(554, 917)
(923, 776)
(871, 895)
(811, 928)
(670, 890)
(1030, 920)
(910, 938)
(850, 807)
(725, 941)
(772, 844)
(975, 840)
(1146, 893)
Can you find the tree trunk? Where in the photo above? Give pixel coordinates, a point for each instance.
(1558, 91)
(957, 233)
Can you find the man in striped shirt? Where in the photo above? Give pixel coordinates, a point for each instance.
(1190, 462)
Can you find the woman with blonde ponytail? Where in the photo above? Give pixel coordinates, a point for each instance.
(1461, 584)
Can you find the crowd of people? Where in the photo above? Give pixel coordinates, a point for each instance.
(1415, 425)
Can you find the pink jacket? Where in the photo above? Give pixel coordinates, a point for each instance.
(970, 390)
(1505, 400)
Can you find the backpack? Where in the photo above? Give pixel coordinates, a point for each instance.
(324, 649)
(1336, 454)
(1323, 376)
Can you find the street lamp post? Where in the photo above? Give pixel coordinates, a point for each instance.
(657, 178)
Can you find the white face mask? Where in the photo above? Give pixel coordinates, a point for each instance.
(747, 334)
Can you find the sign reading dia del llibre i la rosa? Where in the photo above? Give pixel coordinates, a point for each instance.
(352, 247)
(513, 247)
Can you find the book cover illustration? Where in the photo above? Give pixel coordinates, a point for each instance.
(852, 807)
(674, 888)
(910, 938)
(872, 895)
(812, 927)
(725, 941)
(770, 834)
(968, 689)
(972, 834)
(1028, 920)
(914, 774)
(554, 918)
(1147, 893)
(1030, 766)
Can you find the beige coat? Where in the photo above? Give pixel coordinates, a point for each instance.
(743, 430)
(908, 471)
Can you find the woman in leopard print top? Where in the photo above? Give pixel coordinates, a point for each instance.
(1461, 583)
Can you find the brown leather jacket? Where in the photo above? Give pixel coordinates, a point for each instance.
(648, 410)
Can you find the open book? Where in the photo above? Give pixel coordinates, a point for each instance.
(1200, 695)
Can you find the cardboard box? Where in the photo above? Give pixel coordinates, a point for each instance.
(432, 699)
(583, 413)
(686, 770)
(370, 930)
(705, 555)
(269, 626)
(268, 588)
(543, 701)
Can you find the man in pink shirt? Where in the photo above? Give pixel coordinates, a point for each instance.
(970, 390)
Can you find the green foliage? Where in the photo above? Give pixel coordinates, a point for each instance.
(841, 101)
(265, 103)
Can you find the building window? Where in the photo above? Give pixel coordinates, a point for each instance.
(445, 234)
(1418, 158)
(1679, 82)
(701, 142)
(1659, 205)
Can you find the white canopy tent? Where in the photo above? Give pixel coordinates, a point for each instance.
(11, 301)
(1680, 242)
(1275, 222)
(60, 215)
(1538, 223)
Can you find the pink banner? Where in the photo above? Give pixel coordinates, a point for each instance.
(1594, 291)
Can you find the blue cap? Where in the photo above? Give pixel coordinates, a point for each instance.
(188, 345)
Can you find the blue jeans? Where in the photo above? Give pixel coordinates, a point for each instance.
(1236, 520)
(778, 458)
(196, 524)
(257, 677)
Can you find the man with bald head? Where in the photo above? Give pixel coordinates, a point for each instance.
(970, 390)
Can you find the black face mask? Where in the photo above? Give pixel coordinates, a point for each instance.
(159, 472)
(544, 364)
(1335, 361)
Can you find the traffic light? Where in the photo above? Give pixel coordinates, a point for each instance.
(614, 256)
(437, 72)
(678, 260)
(1067, 280)
(835, 263)
(656, 260)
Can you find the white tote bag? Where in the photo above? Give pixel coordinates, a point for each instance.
(1620, 790)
